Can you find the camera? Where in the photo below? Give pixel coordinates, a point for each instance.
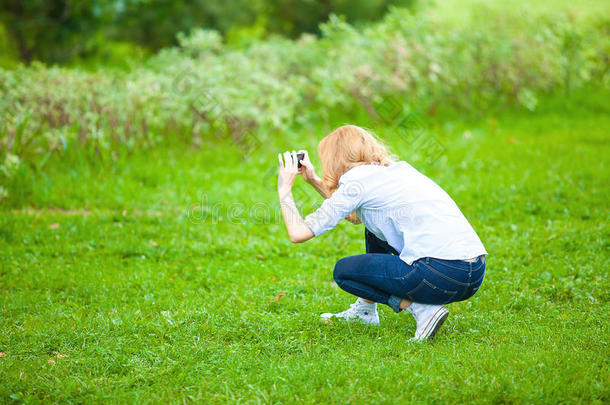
(300, 156)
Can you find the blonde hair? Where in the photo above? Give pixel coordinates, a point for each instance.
(347, 147)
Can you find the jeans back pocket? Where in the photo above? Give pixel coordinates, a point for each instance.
(428, 293)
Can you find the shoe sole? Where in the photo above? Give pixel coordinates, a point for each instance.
(329, 320)
(435, 324)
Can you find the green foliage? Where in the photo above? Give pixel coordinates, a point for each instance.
(65, 31)
(9, 57)
(294, 17)
(154, 23)
(122, 295)
(203, 88)
(51, 30)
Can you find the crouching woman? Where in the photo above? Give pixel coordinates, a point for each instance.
(421, 252)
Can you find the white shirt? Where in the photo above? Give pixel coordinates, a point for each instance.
(403, 207)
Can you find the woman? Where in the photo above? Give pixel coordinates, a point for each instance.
(421, 252)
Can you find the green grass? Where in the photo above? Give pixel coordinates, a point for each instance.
(151, 302)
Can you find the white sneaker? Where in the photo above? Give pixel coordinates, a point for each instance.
(358, 311)
(429, 319)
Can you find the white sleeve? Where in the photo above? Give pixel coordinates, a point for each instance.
(344, 200)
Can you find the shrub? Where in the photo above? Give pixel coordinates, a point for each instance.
(203, 88)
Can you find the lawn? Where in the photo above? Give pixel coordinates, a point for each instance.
(168, 277)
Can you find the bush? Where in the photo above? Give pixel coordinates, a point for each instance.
(203, 88)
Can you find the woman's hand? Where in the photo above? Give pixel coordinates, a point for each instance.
(307, 170)
(309, 175)
(298, 231)
(288, 171)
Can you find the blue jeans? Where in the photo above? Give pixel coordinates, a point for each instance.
(381, 276)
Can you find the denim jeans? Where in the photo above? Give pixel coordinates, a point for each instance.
(381, 276)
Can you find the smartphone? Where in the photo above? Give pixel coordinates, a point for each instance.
(300, 156)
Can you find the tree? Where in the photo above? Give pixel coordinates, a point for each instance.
(59, 30)
(51, 30)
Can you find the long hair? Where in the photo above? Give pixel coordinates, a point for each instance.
(347, 147)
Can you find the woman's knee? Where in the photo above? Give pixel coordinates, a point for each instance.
(341, 270)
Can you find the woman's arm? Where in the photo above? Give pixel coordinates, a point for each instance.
(298, 231)
(309, 175)
(316, 183)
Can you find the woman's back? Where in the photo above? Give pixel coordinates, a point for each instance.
(405, 208)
